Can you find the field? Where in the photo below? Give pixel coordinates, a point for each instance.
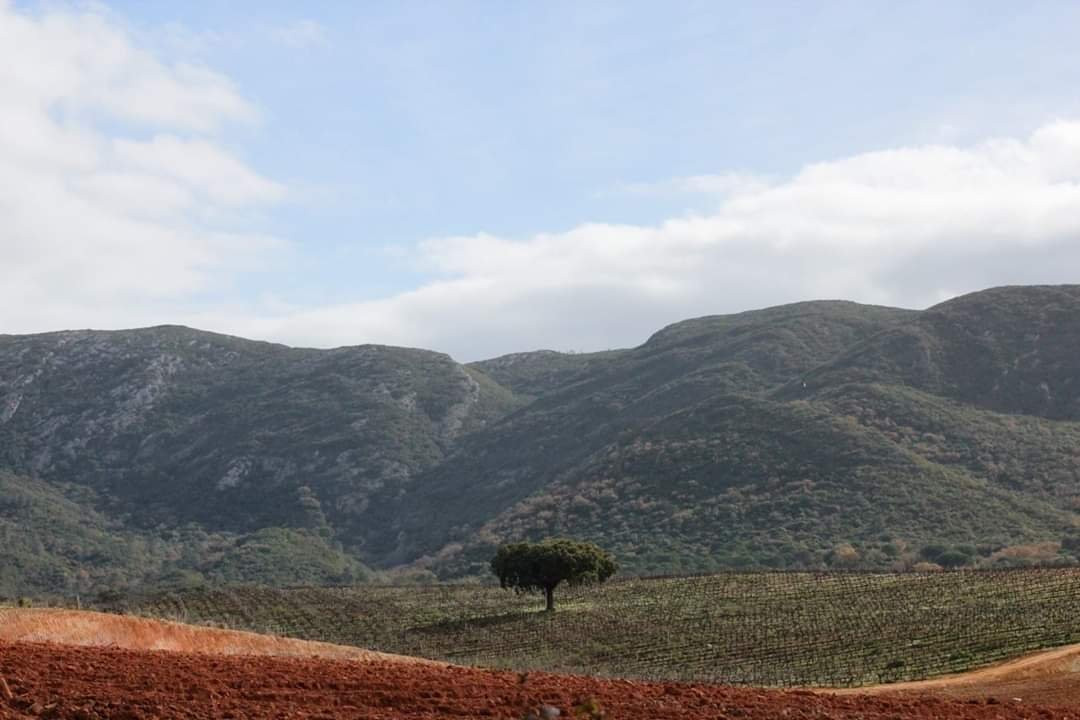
(95, 683)
(777, 629)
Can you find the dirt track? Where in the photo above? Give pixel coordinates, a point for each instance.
(1051, 677)
(80, 683)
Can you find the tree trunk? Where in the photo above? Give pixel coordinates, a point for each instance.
(549, 594)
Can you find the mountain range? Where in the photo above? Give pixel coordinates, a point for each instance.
(812, 435)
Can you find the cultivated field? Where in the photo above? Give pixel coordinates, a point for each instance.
(799, 629)
(70, 683)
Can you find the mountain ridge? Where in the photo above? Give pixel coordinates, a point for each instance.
(768, 438)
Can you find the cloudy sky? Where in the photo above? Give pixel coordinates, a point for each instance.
(487, 177)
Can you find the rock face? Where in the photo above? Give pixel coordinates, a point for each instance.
(767, 438)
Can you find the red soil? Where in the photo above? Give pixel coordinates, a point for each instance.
(80, 683)
(79, 627)
(108, 666)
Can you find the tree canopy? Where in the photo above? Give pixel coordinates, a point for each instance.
(542, 566)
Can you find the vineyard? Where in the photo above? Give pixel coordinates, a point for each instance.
(782, 629)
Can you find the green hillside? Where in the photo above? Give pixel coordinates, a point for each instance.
(749, 482)
(806, 436)
(702, 450)
(54, 542)
(539, 372)
(564, 432)
(190, 452)
(1010, 349)
(175, 426)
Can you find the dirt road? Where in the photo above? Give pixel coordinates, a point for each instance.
(1051, 677)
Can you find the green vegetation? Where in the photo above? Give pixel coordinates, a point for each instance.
(541, 567)
(170, 455)
(1009, 349)
(562, 438)
(786, 629)
(750, 483)
(54, 543)
(769, 439)
(532, 374)
(813, 436)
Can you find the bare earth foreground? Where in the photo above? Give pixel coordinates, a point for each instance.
(1051, 677)
(78, 627)
(120, 671)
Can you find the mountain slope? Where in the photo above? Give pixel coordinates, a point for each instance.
(738, 481)
(539, 372)
(708, 465)
(1012, 350)
(169, 426)
(800, 436)
(54, 540)
(679, 366)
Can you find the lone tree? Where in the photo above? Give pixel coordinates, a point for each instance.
(534, 567)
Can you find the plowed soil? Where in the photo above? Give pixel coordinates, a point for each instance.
(80, 683)
(78, 665)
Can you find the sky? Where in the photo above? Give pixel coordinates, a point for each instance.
(480, 178)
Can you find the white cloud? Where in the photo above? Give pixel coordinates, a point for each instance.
(908, 226)
(200, 166)
(98, 222)
(79, 63)
(121, 206)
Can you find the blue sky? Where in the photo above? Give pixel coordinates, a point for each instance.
(408, 143)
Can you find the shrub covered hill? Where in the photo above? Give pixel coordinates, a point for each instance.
(167, 454)
(803, 436)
